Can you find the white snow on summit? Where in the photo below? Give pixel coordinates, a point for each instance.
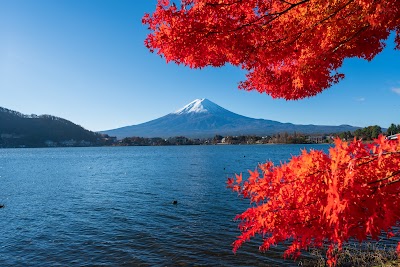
(194, 106)
(198, 106)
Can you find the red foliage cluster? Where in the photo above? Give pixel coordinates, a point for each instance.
(291, 49)
(318, 200)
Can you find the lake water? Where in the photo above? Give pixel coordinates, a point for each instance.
(112, 206)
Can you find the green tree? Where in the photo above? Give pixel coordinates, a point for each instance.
(393, 129)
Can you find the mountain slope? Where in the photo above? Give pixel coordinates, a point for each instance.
(203, 118)
(17, 129)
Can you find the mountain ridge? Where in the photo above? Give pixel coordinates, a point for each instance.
(203, 118)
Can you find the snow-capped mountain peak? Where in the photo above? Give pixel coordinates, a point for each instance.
(198, 106)
(202, 118)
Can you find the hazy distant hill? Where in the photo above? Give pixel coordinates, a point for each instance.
(17, 129)
(203, 118)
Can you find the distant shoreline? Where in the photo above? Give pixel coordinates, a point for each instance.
(219, 144)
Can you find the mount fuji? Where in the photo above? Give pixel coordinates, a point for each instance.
(202, 118)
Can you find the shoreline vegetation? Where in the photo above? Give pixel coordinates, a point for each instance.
(366, 134)
(371, 254)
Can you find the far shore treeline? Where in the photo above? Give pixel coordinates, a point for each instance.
(366, 134)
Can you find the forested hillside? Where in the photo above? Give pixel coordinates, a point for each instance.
(19, 130)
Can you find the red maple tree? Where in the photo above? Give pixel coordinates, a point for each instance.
(290, 49)
(320, 199)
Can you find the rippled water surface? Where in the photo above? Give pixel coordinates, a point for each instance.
(112, 206)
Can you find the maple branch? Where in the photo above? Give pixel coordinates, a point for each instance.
(357, 33)
(375, 157)
(392, 182)
(274, 16)
(296, 36)
(386, 178)
(321, 22)
(334, 13)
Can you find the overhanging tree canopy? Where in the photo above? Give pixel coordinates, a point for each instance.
(291, 49)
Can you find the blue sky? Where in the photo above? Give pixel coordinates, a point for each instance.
(84, 60)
